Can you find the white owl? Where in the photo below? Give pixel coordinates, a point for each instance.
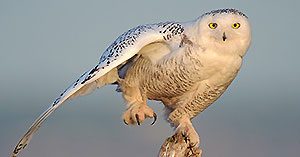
(186, 66)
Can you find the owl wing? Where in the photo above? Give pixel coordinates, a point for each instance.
(121, 50)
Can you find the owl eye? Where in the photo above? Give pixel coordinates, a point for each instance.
(236, 25)
(212, 25)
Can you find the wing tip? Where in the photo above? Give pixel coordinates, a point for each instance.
(20, 146)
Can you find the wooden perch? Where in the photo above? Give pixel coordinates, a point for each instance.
(179, 145)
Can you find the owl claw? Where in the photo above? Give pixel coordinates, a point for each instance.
(125, 121)
(137, 119)
(185, 137)
(154, 118)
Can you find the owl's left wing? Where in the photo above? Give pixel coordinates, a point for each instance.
(121, 50)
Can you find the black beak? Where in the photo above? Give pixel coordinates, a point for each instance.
(224, 36)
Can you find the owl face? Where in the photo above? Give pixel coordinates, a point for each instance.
(229, 32)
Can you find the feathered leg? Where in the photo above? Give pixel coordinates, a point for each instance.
(137, 108)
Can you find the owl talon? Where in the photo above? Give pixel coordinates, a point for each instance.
(154, 118)
(185, 137)
(137, 119)
(125, 121)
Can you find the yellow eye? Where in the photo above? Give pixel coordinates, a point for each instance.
(213, 25)
(236, 25)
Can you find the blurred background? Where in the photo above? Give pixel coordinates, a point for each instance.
(46, 45)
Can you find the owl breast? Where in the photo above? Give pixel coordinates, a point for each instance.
(182, 75)
(167, 79)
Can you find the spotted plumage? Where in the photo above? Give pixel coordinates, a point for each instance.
(225, 11)
(186, 66)
(166, 30)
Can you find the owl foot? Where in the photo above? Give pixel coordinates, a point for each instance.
(186, 129)
(179, 145)
(137, 113)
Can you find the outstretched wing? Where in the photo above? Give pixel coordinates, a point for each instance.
(122, 49)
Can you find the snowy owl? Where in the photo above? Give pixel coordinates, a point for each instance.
(185, 65)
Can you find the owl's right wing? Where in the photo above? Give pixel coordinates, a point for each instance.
(119, 52)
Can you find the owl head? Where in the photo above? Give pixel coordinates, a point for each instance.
(225, 29)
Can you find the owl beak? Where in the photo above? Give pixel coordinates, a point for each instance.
(224, 36)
